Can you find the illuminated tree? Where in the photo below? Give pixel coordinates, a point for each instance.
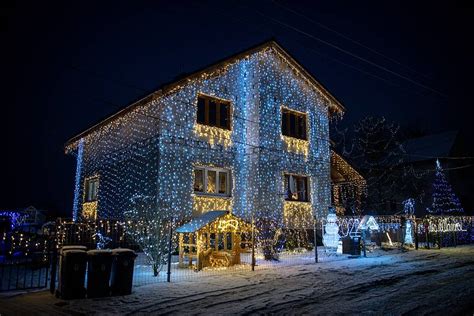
(444, 200)
(149, 228)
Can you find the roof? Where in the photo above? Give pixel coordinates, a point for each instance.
(342, 171)
(430, 146)
(169, 87)
(199, 222)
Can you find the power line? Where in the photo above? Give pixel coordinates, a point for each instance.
(350, 54)
(244, 22)
(349, 39)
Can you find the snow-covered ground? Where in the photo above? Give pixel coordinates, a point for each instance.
(414, 282)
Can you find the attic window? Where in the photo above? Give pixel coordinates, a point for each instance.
(213, 112)
(293, 124)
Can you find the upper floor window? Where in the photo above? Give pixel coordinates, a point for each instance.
(293, 124)
(209, 180)
(213, 112)
(296, 188)
(91, 189)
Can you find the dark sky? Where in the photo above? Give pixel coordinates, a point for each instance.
(61, 61)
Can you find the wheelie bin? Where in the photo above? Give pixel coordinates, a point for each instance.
(99, 263)
(72, 271)
(122, 271)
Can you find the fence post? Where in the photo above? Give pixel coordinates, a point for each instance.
(170, 245)
(455, 238)
(363, 242)
(253, 243)
(416, 234)
(315, 239)
(54, 259)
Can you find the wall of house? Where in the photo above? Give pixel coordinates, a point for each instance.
(146, 160)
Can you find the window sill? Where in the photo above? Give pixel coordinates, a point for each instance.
(213, 134)
(294, 138)
(211, 195)
(298, 202)
(296, 145)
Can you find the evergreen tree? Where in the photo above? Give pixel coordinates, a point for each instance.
(445, 200)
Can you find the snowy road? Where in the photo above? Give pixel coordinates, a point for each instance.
(417, 282)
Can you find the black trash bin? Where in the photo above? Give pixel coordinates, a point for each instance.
(73, 247)
(355, 249)
(351, 246)
(122, 271)
(99, 263)
(72, 272)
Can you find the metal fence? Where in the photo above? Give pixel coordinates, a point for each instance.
(32, 261)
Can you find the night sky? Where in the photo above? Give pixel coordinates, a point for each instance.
(65, 64)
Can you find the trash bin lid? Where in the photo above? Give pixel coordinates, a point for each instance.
(123, 252)
(72, 252)
(99, 252)
(64, 248)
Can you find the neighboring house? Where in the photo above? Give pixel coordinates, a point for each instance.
(421, 156)
(27, 219)
(249, 134)
(347, 185)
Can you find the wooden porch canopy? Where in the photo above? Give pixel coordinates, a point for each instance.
(215, 238)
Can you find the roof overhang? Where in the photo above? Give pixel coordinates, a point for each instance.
(335, 107)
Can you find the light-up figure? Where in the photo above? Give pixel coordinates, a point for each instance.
(331, 232)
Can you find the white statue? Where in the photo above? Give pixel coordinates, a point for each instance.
(331, 232)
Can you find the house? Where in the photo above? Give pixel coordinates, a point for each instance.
(27, 219)
(248, 135)
(348, 187)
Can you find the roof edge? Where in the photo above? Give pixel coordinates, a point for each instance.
(167, 87)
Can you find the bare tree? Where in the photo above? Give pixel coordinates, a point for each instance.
(373, 146)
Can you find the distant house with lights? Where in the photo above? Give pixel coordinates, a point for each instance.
(421, 155)
(248, 135)
(27, 219)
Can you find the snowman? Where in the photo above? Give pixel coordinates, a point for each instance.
(331, 233)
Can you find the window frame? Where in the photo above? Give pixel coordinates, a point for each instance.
(87, 182)
(307, 184)
(218, 171)
(295, 114)
(219, 102)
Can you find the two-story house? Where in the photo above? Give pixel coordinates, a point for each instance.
(248, 134)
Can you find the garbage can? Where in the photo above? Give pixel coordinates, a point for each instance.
(72, 272)
(99, 263)
(73, 247)
(122, 271)
(355, 249)
(351, 245)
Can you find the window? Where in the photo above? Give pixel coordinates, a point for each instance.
(213, 112)
(296, 188)
(91, 189)
(214, 181)
(293, 124)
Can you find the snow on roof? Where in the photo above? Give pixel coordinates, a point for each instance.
(430, 146)
(199, 222)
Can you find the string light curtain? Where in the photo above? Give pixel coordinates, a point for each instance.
(151, 150)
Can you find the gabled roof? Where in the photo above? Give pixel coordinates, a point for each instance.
(342, 171)
(335, 105)
(430, 147)
(199, 222)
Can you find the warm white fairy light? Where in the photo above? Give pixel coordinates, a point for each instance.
(151, 150)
